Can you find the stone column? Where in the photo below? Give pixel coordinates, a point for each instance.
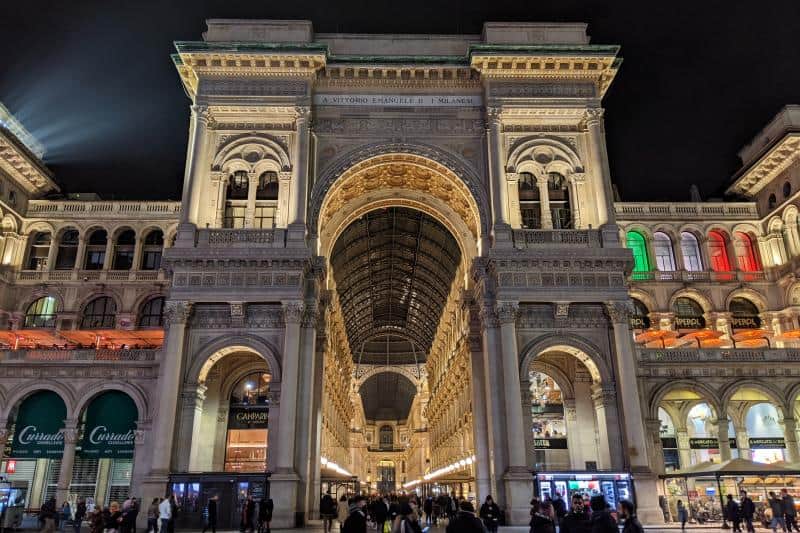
(222, 184)
(638, 455)
(108, 260)
(576, 199)
(512, 191)
(52, 252)
(296, 232)
(140, 452)
(743, 441)
(518, 480)
(70, 432)
(192, 398)
(80, 259)
(598, 162)
(252, 190)
(4, 434)
(304, 456)
(498, 185)
(606, 422)
(493, 382)
(790, 436)
(684, 452)
(198, 133)
(546, 218)
(285, 478)
(176, 316)
(571, 421)
(480, 426)
(724, 442)
(653, 426)
(284, 190)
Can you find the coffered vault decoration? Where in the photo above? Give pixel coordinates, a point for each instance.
(393, 269)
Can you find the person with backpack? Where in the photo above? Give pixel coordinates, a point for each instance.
(357, 521)
(602, 521)
(465, 520)
(628, 513)
(327, 508)
(407, 520)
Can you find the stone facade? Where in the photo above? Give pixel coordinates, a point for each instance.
(293, 137)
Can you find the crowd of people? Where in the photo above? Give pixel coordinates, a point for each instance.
(585, 515)
(114, 518)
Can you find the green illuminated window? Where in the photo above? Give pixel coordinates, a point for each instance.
(638, 246)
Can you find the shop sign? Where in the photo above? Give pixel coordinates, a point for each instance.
(639, 322)
(746, 322)
(690, 322)
(38, 430)
(248, 417)
(11, 466)
(549, 444)
(669, 442)
(110, 426)
(767, 443)
(703, 444)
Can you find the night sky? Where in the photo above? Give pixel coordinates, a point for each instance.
(94, 81)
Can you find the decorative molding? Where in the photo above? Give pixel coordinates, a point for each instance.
(293, 312)
(507, 312)
(399, 126)
(177, 312)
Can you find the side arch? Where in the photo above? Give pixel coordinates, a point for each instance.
(774, 395)
(558, 375)
(215, 350)
(246, 152)
(588, 353)
(709, 395)
(22, 391)
(556, 150)
(135, 393)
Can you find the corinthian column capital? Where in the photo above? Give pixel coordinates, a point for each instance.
(507, 312)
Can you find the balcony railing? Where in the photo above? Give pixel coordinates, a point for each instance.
(685, 210)
(707, 355)
(78, 355)
(103, 209)
(699, 276)
(534, 238)
(90, 275)
(237, 238)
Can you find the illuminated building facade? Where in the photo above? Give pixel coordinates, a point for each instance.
(396, 258)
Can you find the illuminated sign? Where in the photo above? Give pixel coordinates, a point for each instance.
(690, 322)
(767, 443)
(549, 444)
(746, 322)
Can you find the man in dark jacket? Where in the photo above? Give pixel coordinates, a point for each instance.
(789, 510)
(577, 519)
(733, 514)
(357, 521)
(465, 520)
(211, 518)
(80, 514)
(747, 508)
(628, 513)
(602, 521)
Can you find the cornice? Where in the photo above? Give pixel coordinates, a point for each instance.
(768, 166)
(23, 166)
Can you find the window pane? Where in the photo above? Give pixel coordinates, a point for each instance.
(691, 252)
(662, 246)
(636, 244)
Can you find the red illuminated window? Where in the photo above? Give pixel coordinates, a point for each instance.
(745, 255)
(718, 253)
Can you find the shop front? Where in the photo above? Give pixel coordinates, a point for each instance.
(615, 486)
(193, 491)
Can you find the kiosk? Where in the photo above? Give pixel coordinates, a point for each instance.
(615, 486)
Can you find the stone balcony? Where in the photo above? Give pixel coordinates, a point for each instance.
(634, 211)
(39, 276)
(699, 276)
(102, 210)
(536, 238)
(650, 356)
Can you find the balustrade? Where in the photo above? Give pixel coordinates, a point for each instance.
(531, 238)
(103, 209)
(706, 355)
(142, 355)
(685, 210)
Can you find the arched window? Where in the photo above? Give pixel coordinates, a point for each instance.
(267, 186)
(42, 313)
(718, 252)
(386, 437)
(772, 201)
(40, 249)
(745, 255)
(67, 250)
(530, 210)
(560, 210)
(152, 249)
(123, 250)
(662, 249)
(763, 426)
(96, 250)
(152, 313)
(691, 252)
(669, 441)
(700, 424)
(637, 245)
(640, 318)
(787, 189)
(100, 313)
(688, 314)
(238, 185)
(253, 389)
(745, 314)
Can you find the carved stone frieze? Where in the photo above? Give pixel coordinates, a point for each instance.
(542, 90)
(507, 312)
(398, 126)
(293, 312)
(247, 86)
(177, 312)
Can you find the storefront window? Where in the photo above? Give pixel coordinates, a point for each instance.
(248, 423)
(688, 314)
(669, 441)
(765, 434)
(547, 423)
(703, 442)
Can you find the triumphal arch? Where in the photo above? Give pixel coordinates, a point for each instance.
(384, 242)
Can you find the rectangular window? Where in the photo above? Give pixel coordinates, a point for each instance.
(95, 259)
(151, 260)
(123, 260)
(264, 218)
(246, 450)
(234, 217)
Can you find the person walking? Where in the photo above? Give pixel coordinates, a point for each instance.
(211, 515)
(559, 507)
(65, 515)
(165, 514)
(602, 521)
(733, 514)
(357, 520)
(747, 509)
(152, 516)
(776, 508)
(407, 519)
(789, 510)
(342, 510)
(47, 516)
(96, 522)
(327, 509)
(628, 513)
(80, 514)
(683, 515)
(428, 508)
(380, 512)
(465, 520)
(490, 514)
(542, 519)
(577, 519)
(114, 518)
